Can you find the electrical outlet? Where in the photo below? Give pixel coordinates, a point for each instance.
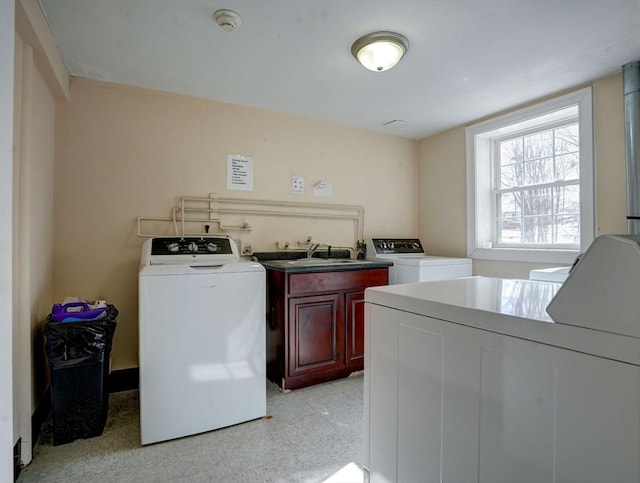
(247, 250)
(297, 185)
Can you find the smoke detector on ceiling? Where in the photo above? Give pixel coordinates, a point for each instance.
(227, 19)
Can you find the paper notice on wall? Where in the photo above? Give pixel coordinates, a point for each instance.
(239, 172)
(322, 188)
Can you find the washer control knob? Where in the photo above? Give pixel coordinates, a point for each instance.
(173, 247)
(193, 247)
(383, 245)
(392, 245)
(416, 245)
(212, 247)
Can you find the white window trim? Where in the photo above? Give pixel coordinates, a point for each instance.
(479, 205)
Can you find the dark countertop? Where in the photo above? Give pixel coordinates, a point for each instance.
(297, 254)
(286, 266)
(340, 261)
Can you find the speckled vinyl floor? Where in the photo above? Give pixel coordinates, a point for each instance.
(312, 435)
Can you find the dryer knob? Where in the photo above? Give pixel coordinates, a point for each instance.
(173, 247)
(212, 247)
(391, 245)
(193, 247)
(416, 245)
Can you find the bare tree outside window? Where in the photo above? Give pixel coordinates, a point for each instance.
(538, 187)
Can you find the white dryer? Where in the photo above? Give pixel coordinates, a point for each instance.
(411, 264)
(201, 337)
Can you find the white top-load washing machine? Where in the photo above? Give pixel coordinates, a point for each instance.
(411, 264)
(201, 337)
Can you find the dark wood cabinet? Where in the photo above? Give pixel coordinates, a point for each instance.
(355, 330)
(315, 330)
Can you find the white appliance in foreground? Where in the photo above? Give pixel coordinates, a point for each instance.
(201, 337)
(411, 264)
(489, 387)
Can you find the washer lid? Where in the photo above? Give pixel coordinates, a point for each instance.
(428, 261)
(198, 269)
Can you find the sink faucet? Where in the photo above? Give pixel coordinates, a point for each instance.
(311, 249)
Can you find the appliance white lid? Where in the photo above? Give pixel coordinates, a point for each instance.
(504, 306)
(213, 267)
(429, 261)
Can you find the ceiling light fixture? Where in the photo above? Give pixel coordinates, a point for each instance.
(380, 51)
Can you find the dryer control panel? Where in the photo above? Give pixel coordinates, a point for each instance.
(392, 246)
(191, 251)
(191, 246)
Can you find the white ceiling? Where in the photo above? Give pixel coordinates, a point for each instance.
(467, 58)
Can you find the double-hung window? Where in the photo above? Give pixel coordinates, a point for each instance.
(530, 182)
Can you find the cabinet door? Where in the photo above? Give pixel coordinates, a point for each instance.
(316, 334)
(354, 302)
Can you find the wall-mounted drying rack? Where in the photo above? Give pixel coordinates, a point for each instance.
(208, 210)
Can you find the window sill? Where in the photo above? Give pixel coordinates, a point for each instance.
(525, 255)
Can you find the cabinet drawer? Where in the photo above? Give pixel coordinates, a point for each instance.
(301, 283)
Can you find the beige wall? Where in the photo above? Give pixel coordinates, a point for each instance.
(34, 117)
(124, 152)
(608, 139)
(442, 195)
(40, 218)
(442, 176)
(9, 378)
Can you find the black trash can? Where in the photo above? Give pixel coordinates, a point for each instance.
(78, 354)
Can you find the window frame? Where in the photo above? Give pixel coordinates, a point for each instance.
(481, 210)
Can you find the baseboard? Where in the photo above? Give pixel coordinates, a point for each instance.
(16, 460)
(40, 415)
(123, 380)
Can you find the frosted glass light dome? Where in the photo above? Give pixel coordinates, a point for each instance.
(380, 51)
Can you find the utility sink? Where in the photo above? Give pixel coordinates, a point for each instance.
(323, 264)
(312, 262)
